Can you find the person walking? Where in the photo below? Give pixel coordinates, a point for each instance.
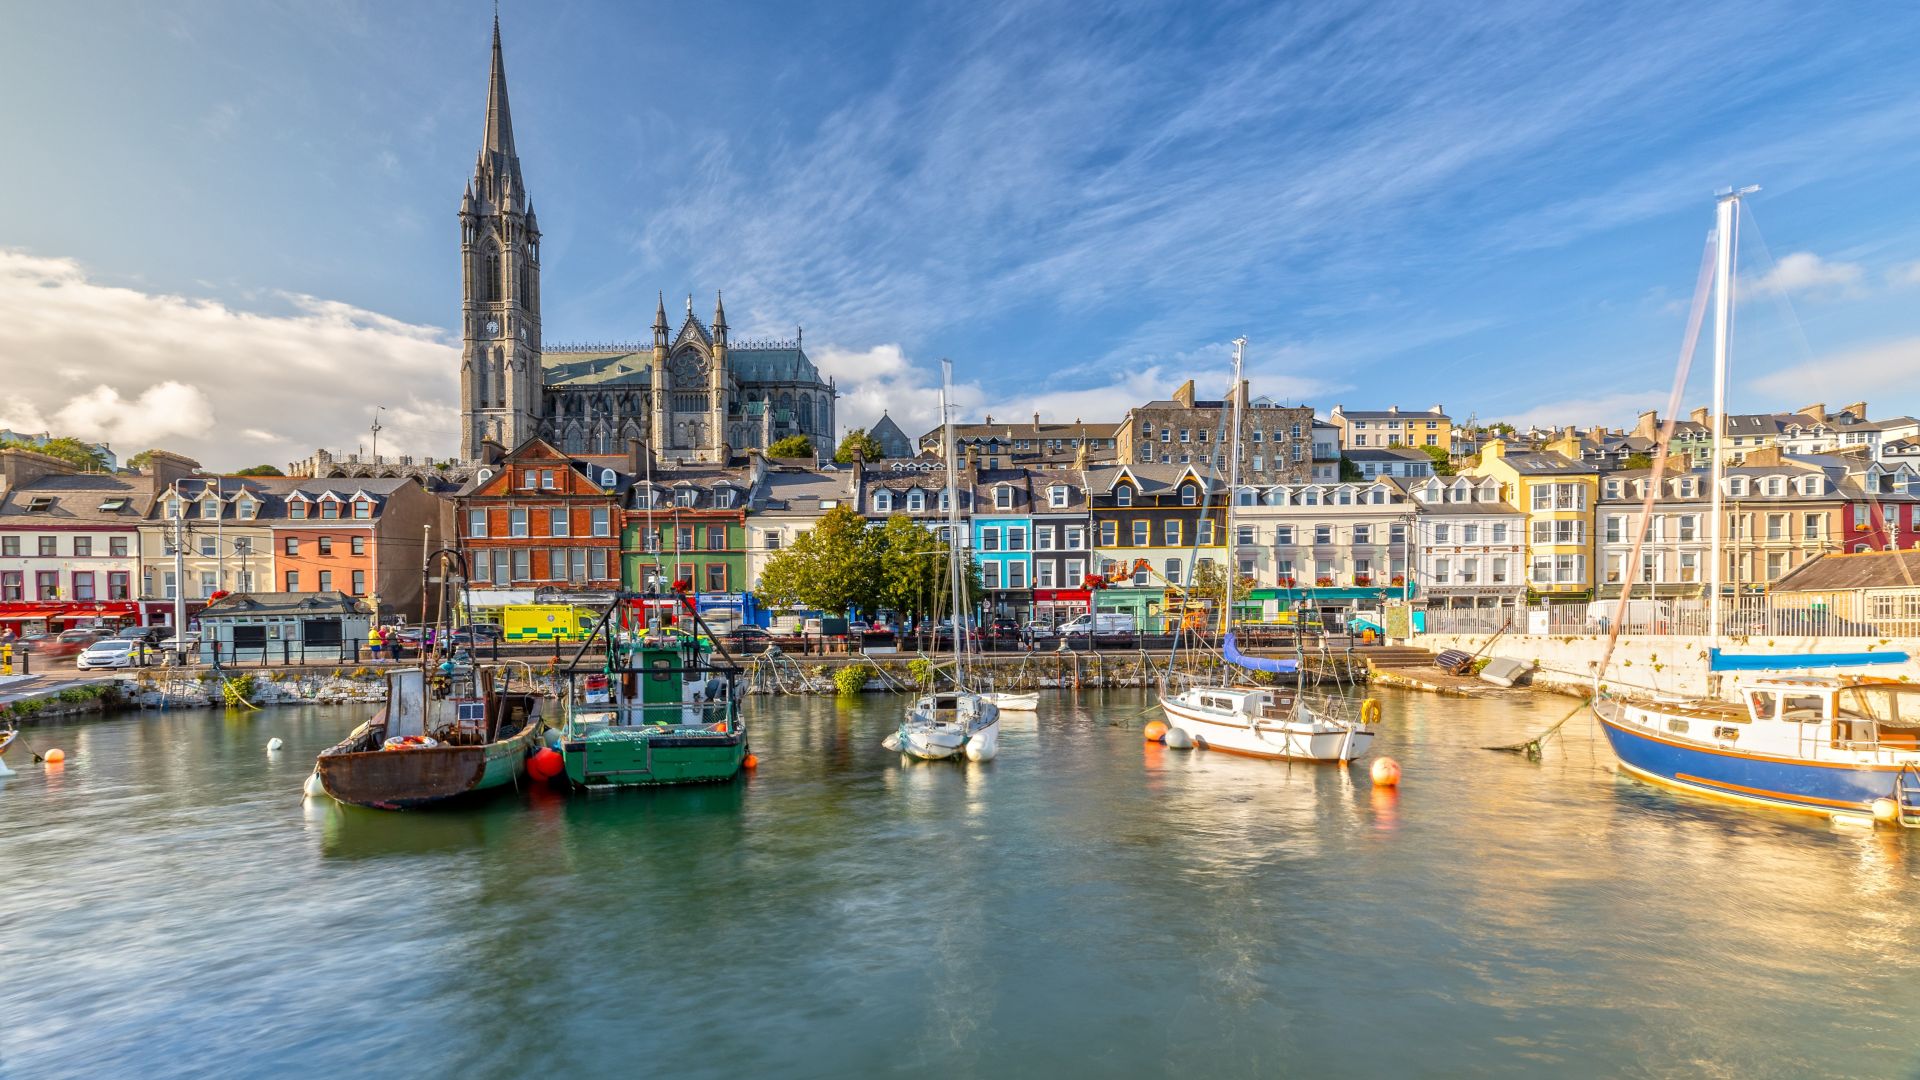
(374, 642)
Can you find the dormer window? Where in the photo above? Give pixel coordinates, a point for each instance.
(1123, 495)
(1613, 489)
(209, 509)
(1003, 497)
(362, 509)
(686, 497)
(172, 507)
(297, 509)
(883, 502)
(1189, 495)
(39, 504)
(1056, 496)
(1737, 486)
(916, 501)
(247, 509)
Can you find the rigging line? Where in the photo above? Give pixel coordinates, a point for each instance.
(1786, 301)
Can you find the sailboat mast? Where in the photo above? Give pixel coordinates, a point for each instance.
(1726, 238)
(956, 580)
(1233, 485)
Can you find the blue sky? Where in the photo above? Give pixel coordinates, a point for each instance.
(234, 221)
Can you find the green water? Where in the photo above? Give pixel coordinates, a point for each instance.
(1085, 905)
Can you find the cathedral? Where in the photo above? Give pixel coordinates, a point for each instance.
(692, 395)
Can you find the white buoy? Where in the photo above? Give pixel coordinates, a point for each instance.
(313, 788)
(1178, 739)
(274, 744)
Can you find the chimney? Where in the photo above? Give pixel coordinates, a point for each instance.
(1246, 396)
(1648, 426)
(19, 467)
(1700, 416)
(1437, 410)
(491, 452)
(1857, 410)
(1036, 422)
(1184, 395)
(1816, 412)
(989, 419)
(639, 458)
(1393, 410)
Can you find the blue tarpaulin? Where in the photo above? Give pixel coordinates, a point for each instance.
(1719, 661)
(1255, 663)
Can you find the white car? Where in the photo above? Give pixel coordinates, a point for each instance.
(107, 653)
(181, 649)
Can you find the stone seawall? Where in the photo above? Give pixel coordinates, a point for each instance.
(1667, 664)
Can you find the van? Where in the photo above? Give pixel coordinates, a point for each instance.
(546, 622)
(1100, 624)
(1643, 616)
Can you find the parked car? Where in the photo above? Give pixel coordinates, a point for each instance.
(108, 653)
(84, 635)
(180, 649)
(1102, 623)
(483, 631)
(148, 634)
(1041, 629)
(749, 640)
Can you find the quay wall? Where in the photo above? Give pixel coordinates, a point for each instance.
(1664, 663)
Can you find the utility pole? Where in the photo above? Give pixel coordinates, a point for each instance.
(179, 565)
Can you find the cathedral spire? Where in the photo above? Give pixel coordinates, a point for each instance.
(719, 318)
(499, 167)
(660, 321)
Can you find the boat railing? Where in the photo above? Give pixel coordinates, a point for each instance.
(717, 716)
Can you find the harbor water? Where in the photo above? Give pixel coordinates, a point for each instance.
(1085, 905)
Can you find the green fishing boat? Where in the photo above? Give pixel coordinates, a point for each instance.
(662, 709)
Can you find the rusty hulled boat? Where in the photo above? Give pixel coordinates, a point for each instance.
(438, 738)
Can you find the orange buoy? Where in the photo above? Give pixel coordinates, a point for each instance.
(1156, 730)
(751, 761)
(1386, 772)
(545, 764)
(54, 756)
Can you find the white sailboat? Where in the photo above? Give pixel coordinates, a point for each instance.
(1259, 721)
(957, 722)
(1010, 701)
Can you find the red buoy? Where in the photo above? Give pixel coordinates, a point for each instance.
(1386, 772)
(1156, 730)
(545, 764)
(751, 761)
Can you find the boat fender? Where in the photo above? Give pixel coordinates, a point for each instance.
(1178, 739)
(313, 788)
(274, 744)
(1370, 712)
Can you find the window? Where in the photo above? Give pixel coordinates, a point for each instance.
(1142, 533)
(990, 539)
(1860, 515)
(1076, 573)
(476, 523)
(686, 496)
(1323, 534)
(359, 583)
(1776, 564)
(516, 522)
(326, 581)
(1043, 538)
(1016, 575)
(546, 479)
(1123, 495)
(771, 539)
(362, 509)
(1003, 497)
(1689, 566)
(209, 545)
(296, 509)
(1497, 572)
(602, 521)
(83, 586)
(1109, 534)
(883, 502)
(522, 565)
(166, 585)
(1043, 574)
(530, 479)
(916, 501)
(1283, 536)
(119, 585)
(1170, 533)
(716, 538)
(1016, 538)
(49, 545)
(1243, 534)
(990, 573)
(683, 538)
(1397, 534)
(210, 509)
(1206, 531)
(293, 545)
(1362, 534)
(330, 510)
(1173, 571)
(559, 523)
(1469, 534)
(1810, 527)
(209, 583)
(1076, 538)
(597, 564)
(716, 577)
(1189, 495)
(293, 581)
(9, 545)
(1056, 496)
(1442, 571)
(326, 545)
(358, 545)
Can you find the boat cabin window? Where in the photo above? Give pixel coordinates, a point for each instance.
(660, 668)
(1762, 702)
(1804, 708)
(1878, 716)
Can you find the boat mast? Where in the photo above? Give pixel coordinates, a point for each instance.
(1726, 237)
(956, 577)
(1233, 484)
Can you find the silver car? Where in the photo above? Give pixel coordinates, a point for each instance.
(108, 653)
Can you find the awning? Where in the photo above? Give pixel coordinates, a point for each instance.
(1075, 595)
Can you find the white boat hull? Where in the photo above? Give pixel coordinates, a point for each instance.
(1014, 702)
(934, 734)
(1306, 739)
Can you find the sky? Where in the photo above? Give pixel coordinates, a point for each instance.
(229, 228)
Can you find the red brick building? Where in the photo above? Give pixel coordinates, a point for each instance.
(541, 520)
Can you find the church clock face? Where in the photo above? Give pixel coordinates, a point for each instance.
(493, 327)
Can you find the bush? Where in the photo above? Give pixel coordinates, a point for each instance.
(850, 680)
(242, 687)
(921, 670)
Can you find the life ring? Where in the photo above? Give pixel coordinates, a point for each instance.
(1370, 712)
(409, 742)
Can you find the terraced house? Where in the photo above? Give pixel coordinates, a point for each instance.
(1330, 547)
(224, 525)
(367, 538)
(1558, 494)
(539, 524)
(1062, 545)
(689, 526)
(70, 541)
(1171, 516)
(1003, 540)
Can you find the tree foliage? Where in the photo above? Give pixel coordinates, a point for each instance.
(793, 446)
(65, 448)
(1209, 582)
(870, 447)
(1348, 470)
(260, 470)
(841, 564)
(1442, 461)
(1638, 461)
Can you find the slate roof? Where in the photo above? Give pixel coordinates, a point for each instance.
(1547, 463)
(617, 367)
(79, 498)
(1151, 479)
(1387, 453)
(1838, 571)
(299, 603)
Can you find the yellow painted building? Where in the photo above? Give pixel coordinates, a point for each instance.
(1393, 426)
(1558, 494)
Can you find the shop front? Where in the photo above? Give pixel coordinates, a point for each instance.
(1145, 605)
(51, 617)
(1051, 607)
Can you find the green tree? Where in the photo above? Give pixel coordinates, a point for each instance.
(1638, 461)
(912, 565)
(870, 447)
(1209, 582)
(260, 470)
(141, 459)
(829, 568)
(793, 446)
(1442, 464)
(1348, 470)
(66, 449)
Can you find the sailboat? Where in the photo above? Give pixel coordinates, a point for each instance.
(958, 722)
(1843, 746)
(1260, 721)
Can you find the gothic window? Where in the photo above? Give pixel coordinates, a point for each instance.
(823, 424)
(490, 273)
(520, 280)
(805, 419)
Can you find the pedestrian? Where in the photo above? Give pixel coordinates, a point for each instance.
(374, 642)
(390, 643)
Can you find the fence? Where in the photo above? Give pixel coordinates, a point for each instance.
(1842, 615)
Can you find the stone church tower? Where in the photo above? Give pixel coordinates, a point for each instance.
(501, 381)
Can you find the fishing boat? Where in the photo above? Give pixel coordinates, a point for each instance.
(439, 737)
(1261, 721)
(661, 708)
(958, 722)
(1840, 745)
(6, 740)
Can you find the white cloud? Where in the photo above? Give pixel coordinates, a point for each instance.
(1890, 369)
(138, 369)
(1805, 272)
(1611, 410)
(1905, 274)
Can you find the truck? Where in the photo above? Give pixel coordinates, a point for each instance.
(547, 622)
(1099, 624)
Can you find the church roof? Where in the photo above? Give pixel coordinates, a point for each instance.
(771, 363)
(611, 367)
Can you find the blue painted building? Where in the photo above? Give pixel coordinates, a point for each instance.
(1002, 532)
